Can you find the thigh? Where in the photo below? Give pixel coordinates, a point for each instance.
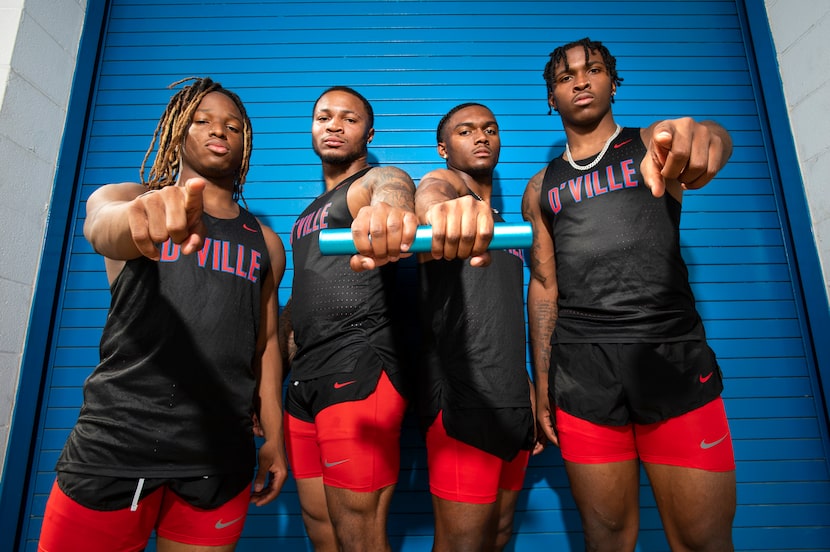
(607, 496)
(698, 439)
(183, 523)
(69, 526)
(697, 507)
(512, 476)
(360, 440)
(585, 442)
(459, 472)
(301, 448)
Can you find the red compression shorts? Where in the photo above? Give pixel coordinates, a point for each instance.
(463, 473)
(698, 439)
(353, 445)
(68, 526)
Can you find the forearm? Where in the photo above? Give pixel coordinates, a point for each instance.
(542, 313)
(432, 191)
(107, 226)
(268, 393)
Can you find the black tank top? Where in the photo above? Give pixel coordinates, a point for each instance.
(619, 269)
(172, 395)
(474, 349)
(338, 315)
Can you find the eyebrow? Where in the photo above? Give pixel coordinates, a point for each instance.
(341, 111)
(466, 124)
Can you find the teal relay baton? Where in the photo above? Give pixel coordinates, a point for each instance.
(338, 241)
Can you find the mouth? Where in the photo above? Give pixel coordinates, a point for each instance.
(333, 142)
(583, 99)
(218, 147)
(481, 152)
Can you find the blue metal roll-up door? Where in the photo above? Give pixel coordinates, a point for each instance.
(414, 60)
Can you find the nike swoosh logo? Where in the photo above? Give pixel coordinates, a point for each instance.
(249, 229)
(339, 385)
(704, 445)
(621, 144)
(221, 525)
(332, 464)
(704, 379)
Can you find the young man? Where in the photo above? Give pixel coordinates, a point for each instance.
(474, 391)
(345, 400)
(623, 370)
(164, 438)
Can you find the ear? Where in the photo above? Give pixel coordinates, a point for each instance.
(552, 102)
(442, 149)
(370, 136)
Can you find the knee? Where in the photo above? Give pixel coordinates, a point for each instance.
(504, 532)
(604, 532)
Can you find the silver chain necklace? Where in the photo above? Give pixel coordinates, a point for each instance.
(599, 156)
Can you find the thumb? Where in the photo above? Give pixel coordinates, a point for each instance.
(259, 482)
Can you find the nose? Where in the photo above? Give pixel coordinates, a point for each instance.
(582, 82)
(334, 125)
(480, 136)
(217, 129)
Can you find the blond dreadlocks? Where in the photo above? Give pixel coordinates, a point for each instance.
(172, 128)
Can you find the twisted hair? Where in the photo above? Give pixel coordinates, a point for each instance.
(559, 55)
(445, 119)
(172, 129)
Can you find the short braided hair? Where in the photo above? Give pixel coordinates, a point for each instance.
(172, 129)
(559, 55)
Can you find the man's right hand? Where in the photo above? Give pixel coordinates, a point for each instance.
(173, 212)
(461, 228)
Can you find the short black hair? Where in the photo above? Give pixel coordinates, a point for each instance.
(443, 122)
(559, 55)
(369, 111)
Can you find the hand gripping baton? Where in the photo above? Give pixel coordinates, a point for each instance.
(338, 241)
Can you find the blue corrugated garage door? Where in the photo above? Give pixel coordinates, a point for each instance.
(414, 60)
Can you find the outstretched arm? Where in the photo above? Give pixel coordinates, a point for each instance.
(125, 221)
(272, 471)
(683, 154)
(542, 309)
(383, 205)
(462, 226)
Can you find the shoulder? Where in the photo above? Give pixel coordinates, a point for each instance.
(443, 176)
(386, 174)
(276, 249)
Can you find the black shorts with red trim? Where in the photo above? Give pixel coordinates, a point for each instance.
(641, 383)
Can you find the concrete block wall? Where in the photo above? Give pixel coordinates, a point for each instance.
(800, 30)
(38, 48)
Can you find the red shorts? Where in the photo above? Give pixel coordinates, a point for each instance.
(463, 473)
(68, 526)
(353, 445)
(698, 439)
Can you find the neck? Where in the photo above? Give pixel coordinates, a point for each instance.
(584, 141)
(334, 174)
(217, 198)
(480, 184)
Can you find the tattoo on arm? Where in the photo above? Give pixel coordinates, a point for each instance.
(392, 186)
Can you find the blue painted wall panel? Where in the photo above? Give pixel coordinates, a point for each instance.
(414, 60)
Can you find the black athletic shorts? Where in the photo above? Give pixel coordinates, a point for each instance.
(644, 383)
(304, 399)
(102, 493)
